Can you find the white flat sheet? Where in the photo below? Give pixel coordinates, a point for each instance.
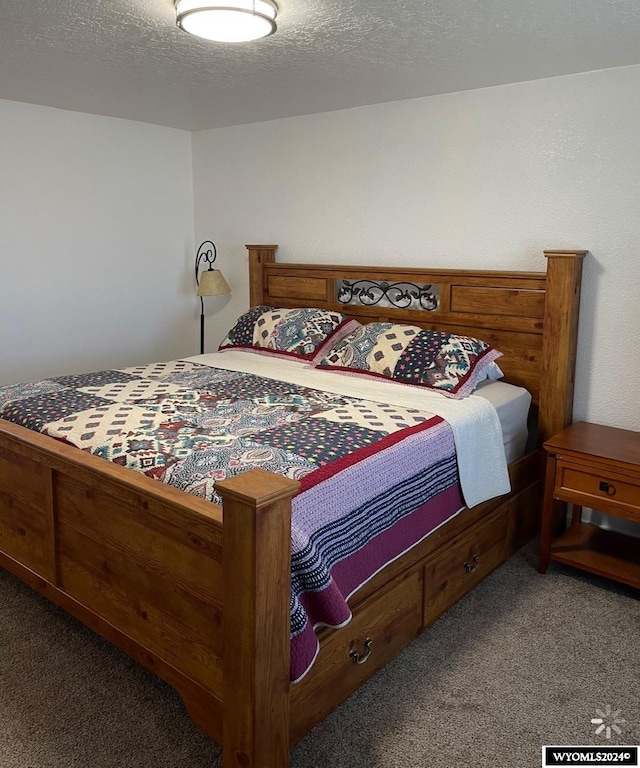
(477, 431)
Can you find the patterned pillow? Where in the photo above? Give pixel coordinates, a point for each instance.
(303, 333)
(445, 362)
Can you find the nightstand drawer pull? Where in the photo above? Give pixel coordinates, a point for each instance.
(471, 567)
(357, 658)
(607, 488)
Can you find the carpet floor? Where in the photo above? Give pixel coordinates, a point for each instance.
(522, 661)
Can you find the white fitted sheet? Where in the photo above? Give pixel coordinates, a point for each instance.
(512, 405)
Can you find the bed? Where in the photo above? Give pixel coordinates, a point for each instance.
(148, 566)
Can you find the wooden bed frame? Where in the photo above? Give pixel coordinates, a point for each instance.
(151, 568)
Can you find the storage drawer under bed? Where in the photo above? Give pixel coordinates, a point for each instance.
(462, 563)
(381, 626)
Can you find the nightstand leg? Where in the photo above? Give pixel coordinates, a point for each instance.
(547, 515)
(576, 514)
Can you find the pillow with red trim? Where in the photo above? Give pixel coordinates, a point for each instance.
(448, 363)
(305, 333)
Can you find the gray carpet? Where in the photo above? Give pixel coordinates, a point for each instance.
(524, 660)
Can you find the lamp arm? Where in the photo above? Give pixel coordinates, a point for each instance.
(206, 252)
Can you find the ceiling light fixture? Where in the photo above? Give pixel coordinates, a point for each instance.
(227, 21)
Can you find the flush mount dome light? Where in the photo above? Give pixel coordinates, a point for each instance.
(227, 21)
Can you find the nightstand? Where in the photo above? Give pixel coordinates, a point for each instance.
(598, 467)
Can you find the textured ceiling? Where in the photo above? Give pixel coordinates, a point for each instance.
(126, 58)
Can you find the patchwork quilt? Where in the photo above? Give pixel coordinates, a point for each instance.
(375, 478)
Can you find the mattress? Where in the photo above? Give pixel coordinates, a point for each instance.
(512, 406)
(510, 402)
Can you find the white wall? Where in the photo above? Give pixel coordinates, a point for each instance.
(96, 239)
(486, 178)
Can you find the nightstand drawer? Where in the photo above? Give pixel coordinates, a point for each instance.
(601, 490)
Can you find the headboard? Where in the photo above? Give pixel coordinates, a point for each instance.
(531, 317)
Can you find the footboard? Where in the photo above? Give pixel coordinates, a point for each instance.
(148, 567)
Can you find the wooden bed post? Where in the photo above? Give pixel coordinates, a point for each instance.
(258, 255)
(562, 304)
(256, 620)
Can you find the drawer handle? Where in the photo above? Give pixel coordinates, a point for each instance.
(471, 567)
(357, 658)
(608, 488)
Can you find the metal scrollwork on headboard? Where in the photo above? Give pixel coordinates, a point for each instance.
(369, 293)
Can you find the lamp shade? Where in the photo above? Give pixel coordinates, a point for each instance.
(227, 21)
(212, 283)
